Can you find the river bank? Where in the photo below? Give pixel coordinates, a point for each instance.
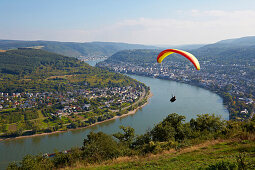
(115, 117)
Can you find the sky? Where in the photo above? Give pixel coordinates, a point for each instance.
(151, 22)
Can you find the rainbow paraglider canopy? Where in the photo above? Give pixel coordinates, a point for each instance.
(190, 57)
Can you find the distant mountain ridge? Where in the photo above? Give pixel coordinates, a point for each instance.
(244, 41)
(230, 47)
(241, 48)
(183, 47)
(229, 51)
(74, 49)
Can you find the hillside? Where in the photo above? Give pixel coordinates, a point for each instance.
(235, 42)
(184, 47)
(209, 155)
(72, 48)
(230, 51)
(42, 91)
(25, 68)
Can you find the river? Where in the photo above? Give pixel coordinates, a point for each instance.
(190, 101)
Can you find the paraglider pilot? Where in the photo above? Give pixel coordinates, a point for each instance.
(172, 99)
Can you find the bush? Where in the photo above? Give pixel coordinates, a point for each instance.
(171, 128)
(128, 136)
(211, 123)
(30, 162)
(222, 166)
(141, 140)
(99, 146)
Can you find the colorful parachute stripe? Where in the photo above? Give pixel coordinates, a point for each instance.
(189, 56)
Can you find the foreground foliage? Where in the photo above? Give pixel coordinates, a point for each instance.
(171, 133)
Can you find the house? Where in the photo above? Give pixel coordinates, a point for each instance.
(248, 101)
(59, 113)
(86, 107)
(245, 111)
(66, 108)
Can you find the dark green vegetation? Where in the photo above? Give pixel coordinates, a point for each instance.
(227, 68)
(42, 91)
(171, 135)
(73, 49)
(31, 70)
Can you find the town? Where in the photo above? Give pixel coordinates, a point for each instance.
(92, 58)
(56, 111)
(70, 101)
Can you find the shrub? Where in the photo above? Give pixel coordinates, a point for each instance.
(222, 166)
(171, 128)
(99, 146)
(30, 162)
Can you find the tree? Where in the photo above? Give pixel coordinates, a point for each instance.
(207, 122)
(128, 136)
(3, 128)
(171, 128)
(99, 146)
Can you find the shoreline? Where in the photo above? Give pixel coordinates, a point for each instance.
(115, 117)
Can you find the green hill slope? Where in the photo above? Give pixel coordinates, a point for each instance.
(221, 154)
(33, 70)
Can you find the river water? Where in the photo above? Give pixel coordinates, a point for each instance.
(190, 101)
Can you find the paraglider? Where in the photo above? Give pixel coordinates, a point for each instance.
(163, 54)
(190, 57)
(172, 99)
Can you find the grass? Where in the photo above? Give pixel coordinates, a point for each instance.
(8, 110)
(200, 156)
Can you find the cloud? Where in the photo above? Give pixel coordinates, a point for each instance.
(187, 27)
(197, 27)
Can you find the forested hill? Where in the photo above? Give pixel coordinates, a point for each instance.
(21, 62)
(72, 48)
(31, 70)
(232, 51)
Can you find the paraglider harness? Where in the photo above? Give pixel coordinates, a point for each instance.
(172, 99)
